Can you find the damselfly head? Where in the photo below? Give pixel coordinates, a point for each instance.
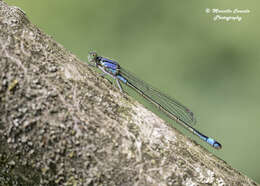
(92, 57)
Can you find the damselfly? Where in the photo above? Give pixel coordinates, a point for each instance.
(172, 108)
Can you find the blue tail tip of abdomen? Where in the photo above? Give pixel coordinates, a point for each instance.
(214, 143)
(217, 145)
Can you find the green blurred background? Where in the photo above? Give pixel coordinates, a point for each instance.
(212, 67)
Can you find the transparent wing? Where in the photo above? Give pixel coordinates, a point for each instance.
(169, 104)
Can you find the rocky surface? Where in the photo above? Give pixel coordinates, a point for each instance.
(62, 124)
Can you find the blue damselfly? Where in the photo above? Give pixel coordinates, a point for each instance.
(172, 108)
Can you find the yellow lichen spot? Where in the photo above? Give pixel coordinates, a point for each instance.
(73, 132)
(71, 154)
(75, 183)
(58, 180)
(13, 84)
(44, 170)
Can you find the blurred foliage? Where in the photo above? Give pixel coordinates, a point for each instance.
(211, 66)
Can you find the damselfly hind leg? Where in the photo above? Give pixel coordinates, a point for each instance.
(91, 65)
(103, 74)
(119, 85)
